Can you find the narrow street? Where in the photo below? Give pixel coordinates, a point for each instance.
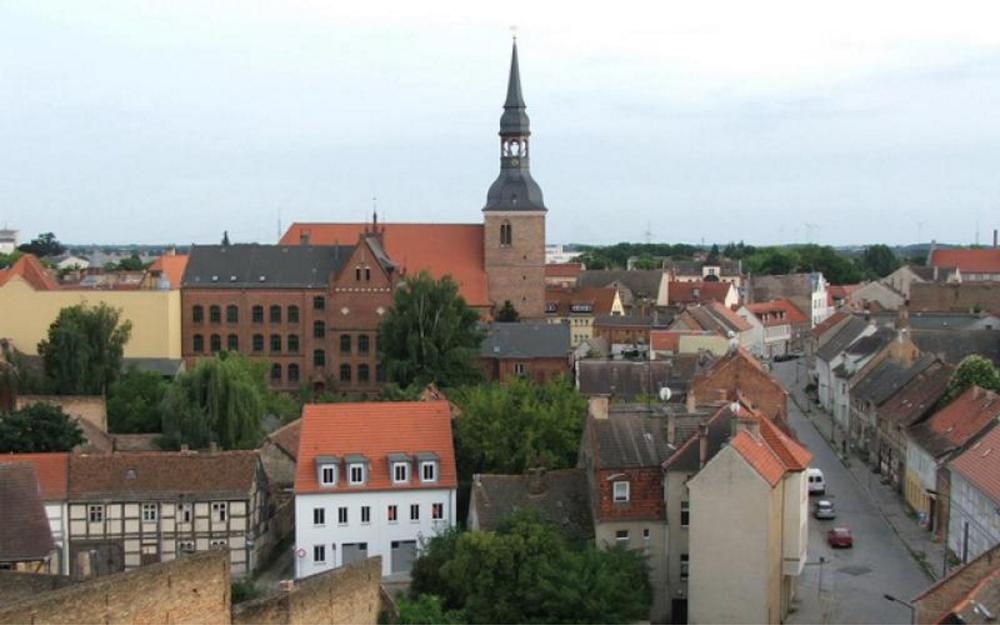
(854, 581)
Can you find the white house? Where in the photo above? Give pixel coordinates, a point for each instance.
(974, 503)
(374, 478)
(8, 240)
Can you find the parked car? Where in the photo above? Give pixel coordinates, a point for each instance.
(817, 484)
(840, 537)
(823, 510)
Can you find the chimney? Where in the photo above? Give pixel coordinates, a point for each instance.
(536, 481)
(702, 445)
(671, 428)
(994, 237)
(598, 407)
(691, 401)
(748, 424)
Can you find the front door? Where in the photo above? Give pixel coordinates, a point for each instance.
(679, 611)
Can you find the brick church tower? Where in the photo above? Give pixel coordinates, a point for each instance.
(514, 215)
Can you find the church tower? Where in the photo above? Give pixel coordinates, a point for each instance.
(514, 215)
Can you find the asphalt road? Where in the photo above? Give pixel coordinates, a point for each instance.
(853, 580)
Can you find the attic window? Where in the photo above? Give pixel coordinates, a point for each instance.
(262, 278)
(130, 474)
(326, 470)
(215, 278)
(620, 491)
(232, 278)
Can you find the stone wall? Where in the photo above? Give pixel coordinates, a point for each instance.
(91, 408)
(962, 297)
(192, 589)
(348, 594)
(15, 586)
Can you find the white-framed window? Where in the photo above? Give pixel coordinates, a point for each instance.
(621, 536)
(400, 472)
(366, 515)
(357, 473)
(185, 546)
(328, 475)
(437, 511)
(519, 368)
(95, 513)
(149, 511)
(220, 510)
(645, 533)
(319, 516)
(218, 543)
(684, 566)
(414, 512)
(319, 553)
(428, 471)
(393, 513)
(185, 511)
(621, 493)
(342, 515)
(685, 513)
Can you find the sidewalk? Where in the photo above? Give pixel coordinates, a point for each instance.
(919, 542)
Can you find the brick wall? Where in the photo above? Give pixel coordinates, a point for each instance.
(755, 385)
(192, 589)
(645, 494)
(348, 594)
(963, 297)
(516, 272)
(15, 586)
(89, 407)
(539, 370)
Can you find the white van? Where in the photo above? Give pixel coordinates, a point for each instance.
(817, 485)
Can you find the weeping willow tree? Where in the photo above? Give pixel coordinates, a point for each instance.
(221, 401)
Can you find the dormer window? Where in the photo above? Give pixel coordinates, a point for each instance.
(357, 470)
(326, 470)
(399, 466)
(428, 463)
(620, 491)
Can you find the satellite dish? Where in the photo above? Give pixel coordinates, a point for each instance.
(665, 393)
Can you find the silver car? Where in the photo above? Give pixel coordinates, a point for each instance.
(824, 511)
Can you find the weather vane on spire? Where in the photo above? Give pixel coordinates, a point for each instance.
(513, 31)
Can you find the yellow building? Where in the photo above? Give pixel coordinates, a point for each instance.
(30, 301)
(577, 307)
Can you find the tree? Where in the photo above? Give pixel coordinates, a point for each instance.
(878, 261)
(508, 313)
(43, 245)
(134, 402)
(83, 352)
(221, 400)
(645, 262)
(430, 335)
(508, 428)
(38, 428)
(8, 260)
(528, 572)
(973, 370)
(425, 610)
(132, 263)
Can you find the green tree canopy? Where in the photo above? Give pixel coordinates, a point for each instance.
(83, 352)
(508, 313)
(38, 428)
(8, 260)
(713, 254)
(973, 370)
(430, 335)
(134, 402)
(878, 261)
(221, 400)
(508, 428)
(528, 572)
(43, 245)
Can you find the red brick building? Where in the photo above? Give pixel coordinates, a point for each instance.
(739, 374)
(536, 351)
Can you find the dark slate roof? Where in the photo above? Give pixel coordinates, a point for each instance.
(839, 341)
(628, 321)
(514, 190)
(167, 367)
(25, 535)
(624, 379)
(937, 321)
(253, 266)
(694, 267)
(871, 344)
(628, 439)
(561, 497)
(643, 283)
(687, 457)
(889, 377)
(953, 346)
(927, 273)
(514, 120)
(914, 401)
(526, 340)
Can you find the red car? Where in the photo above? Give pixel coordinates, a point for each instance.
(840, 537)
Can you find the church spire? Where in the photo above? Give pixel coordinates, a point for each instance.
(514, 189)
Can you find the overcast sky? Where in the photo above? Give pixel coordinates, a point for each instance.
(171, 121)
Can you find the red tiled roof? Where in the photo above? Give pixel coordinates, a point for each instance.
(375, 430)
(287, 437)
(162, 473)
(439, 249)
(720, 309)
(665, 340)
(50, 469)
(172, 267)
(563, 270)
(968, 261)
(694, 292)
(600, 299)
(828, 323)
(760, 456)
(30, 269)
(966, 416)
(792, 314)
(793, 455)
(980, 464)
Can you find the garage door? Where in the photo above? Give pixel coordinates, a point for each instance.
(403, 554)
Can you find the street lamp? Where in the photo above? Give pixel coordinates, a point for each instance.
(913, 610)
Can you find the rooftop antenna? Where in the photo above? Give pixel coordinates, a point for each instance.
(279, 223)
(374, 211)
(648, 234)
